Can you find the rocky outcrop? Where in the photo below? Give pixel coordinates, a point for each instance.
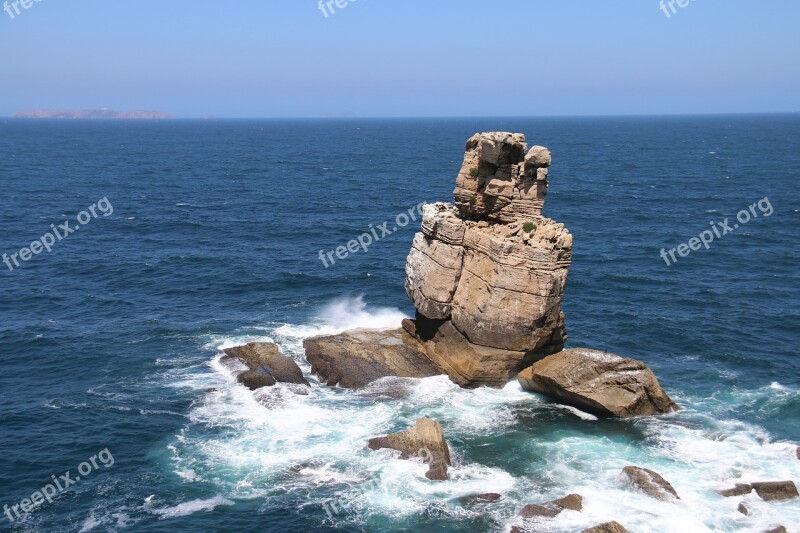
(490, 271)
(572, 502)
(608, 527)
(358, 357)
(767, 490)
(266, 365)
(650, 483)
(740, 489)
(426, 441)
(776, 490)
(599, 383)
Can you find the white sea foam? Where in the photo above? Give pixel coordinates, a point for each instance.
(191, 507)
(273, 442)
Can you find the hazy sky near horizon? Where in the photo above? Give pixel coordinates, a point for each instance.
(284, 58)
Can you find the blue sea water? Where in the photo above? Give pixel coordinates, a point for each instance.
(111, 341)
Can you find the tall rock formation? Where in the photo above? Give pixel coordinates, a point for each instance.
(487, 275)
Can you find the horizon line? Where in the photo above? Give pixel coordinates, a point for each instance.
(212, 118)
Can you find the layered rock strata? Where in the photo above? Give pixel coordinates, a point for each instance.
(487, 275)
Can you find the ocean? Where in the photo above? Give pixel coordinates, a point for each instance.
(207, 234)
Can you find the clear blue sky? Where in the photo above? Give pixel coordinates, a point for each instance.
(283, 58)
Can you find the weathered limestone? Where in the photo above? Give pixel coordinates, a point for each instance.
(266, 365)
(491, 269)
(425, 440)
(650, 483)
(356, 358)
(599, 383)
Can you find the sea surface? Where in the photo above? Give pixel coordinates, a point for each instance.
(110, 342)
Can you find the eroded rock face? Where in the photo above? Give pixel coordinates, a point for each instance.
(599, 383)
(491, 268)
(355, 358)
(266, 365)
(650, 483)
(426, 441)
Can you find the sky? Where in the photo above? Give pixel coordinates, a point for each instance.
(402, 58)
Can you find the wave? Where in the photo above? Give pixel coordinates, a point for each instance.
(191, 507)
(275, 445)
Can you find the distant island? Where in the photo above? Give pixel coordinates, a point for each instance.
(107, 114)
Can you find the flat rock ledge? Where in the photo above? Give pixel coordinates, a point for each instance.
(608, 527)
(600, 383)
(650, 483)
(766, 490)
(426, 441)
(266, 365)
(356, 358)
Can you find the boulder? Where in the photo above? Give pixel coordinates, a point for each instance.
(266, 365)
(599, 383)
(743, 509)
(573, 502)
(491, 269)
(768, 491)
(355, 358)
(426, 441)
(778, 529)
(740, 489)
(489, 497)
(608, 527)
(776, 490)
(650, 483)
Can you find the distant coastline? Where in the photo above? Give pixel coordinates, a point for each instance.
(104, 114)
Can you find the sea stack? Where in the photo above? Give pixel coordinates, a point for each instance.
(487, 275)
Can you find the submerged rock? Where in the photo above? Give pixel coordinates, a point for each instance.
(740, 489)
(489, 497)
(572, 502)
(491, 270)
(599, 383)
(355, 358)
(650, 483)
(426, 441)
(266, 365)
(743, 509)
(608, 527)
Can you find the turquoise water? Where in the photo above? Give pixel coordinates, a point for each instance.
(111, 340)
